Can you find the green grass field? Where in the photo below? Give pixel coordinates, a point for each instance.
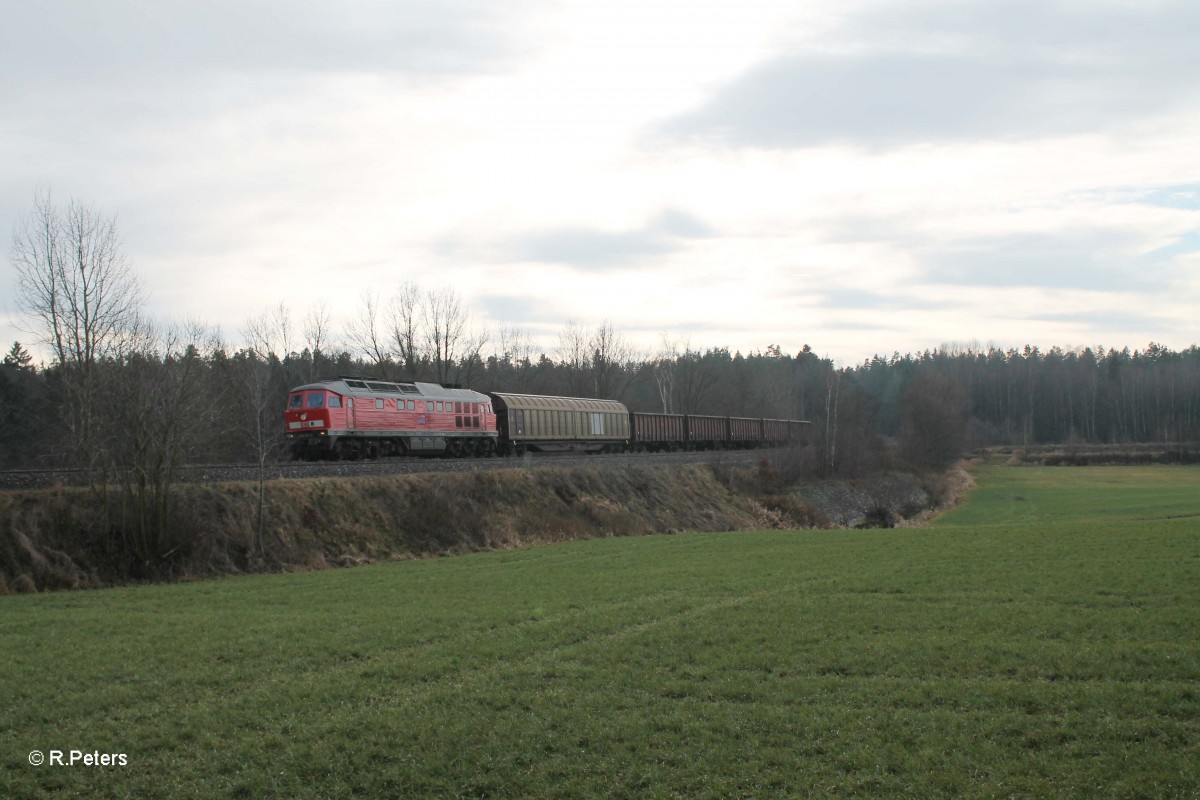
(1042, 640)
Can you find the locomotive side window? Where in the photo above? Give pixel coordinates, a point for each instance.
(335, 401)
(412, 405)
(378, 402)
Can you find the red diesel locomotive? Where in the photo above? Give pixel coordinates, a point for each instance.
(359, 418)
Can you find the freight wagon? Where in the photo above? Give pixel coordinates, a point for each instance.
(655, 432)
(559, 424)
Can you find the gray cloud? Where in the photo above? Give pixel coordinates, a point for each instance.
(107, 82)
(674, 222)
(1186, 244)
(856, 298)
(594, 249)
(961, 71)
(1097, 259)
(591, 249)
(190, 111)
(1106, 320)
(1180, 196)
(80, 40)
(512, 307)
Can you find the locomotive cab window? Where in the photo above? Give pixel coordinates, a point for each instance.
(335, 401)
(316, 400)
(296, 401)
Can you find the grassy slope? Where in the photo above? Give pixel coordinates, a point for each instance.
(1042, 646)
(55, 538)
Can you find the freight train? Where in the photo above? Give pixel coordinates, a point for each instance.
(355, 418)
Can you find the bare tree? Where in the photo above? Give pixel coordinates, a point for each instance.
(449, 342)
(933, 431)
(516, 353)
(406, 333)
(833, 392)
(280, 320)
(366, 334)
(317, 324)
(696, 375)
(74, 281)
(614, 362)
(575, 357)
(664, 372)
(155, 415)
(258, 398)
(470, 360)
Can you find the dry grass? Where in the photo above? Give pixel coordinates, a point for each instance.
(65, 538)
(61, 538)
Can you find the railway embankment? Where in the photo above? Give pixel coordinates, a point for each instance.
(73, 537)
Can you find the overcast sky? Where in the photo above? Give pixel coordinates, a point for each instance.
(862, 177)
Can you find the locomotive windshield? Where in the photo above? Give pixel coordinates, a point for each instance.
(296, 400)
(316, 400)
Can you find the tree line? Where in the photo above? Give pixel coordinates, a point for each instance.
(129, 399)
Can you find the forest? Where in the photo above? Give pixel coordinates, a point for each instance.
(225, 405)
(125, 396)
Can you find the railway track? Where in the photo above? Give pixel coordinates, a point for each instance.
(282, 470)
